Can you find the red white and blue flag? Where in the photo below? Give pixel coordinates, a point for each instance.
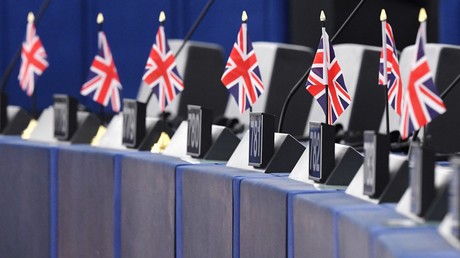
(33, 60)
(242, 76)
(393, 79)
(161, 73)
(319, 77)
(421, 102)
(103, 83)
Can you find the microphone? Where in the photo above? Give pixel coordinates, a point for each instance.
(15, 59)
(302, 79)
(190, 33)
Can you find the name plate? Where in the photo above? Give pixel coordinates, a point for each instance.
(421, 172)
(3, 112)
(199, 131)
(322, 154)
(376, 158)
(134, 128)
(261, 139)
(454, 198)
(65, 116)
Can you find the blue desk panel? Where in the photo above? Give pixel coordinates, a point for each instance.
(206, 209)
(27, 209)
(358, 229)
(89, 202)
(415, 243)
(148, 205)
(314, 230)
(264, 215)
(80, 201)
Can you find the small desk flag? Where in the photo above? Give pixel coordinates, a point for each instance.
(161, 73)
(394, 84)
(421, 102)
(103, 83)
(242, 76)
(339, 99)
(33, 60)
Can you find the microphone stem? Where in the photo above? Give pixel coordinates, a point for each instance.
(304, 77)
(195, 25)
(450, 87)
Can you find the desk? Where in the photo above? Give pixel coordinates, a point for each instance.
(27, 199)
(424, 243)
(88, 202)
(79, 201)
(148, 205)
(208, 209)
(264, 215)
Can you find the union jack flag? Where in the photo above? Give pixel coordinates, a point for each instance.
(33, 60)
(393, 80)
(242, 76)
(421, 102)
(103, 83)
(338, 96)
(161, 73)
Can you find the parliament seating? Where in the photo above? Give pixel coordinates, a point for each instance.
(68, 199)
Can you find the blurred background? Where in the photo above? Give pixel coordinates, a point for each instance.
(68, 31)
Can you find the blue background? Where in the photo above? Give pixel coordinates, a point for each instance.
(68, 31)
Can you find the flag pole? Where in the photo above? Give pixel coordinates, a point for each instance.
(422, 17)
(383, 19)
(300, 82)
(100, 22)
(443, 95)
(33, 97)
(161, 19)
(244, 21)
(325, 62)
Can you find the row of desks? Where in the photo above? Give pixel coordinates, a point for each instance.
(81, 201)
